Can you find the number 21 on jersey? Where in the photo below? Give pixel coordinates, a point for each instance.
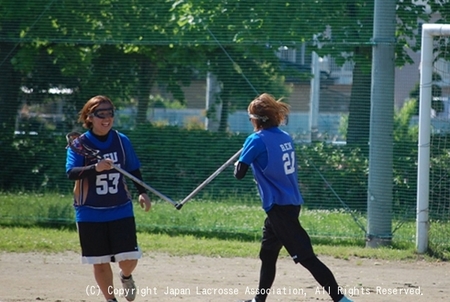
(289, 162)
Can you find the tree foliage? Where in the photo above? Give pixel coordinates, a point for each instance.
(340, 29)
(125, 48)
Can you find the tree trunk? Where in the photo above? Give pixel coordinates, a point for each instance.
(9, 103)
(146, 81)
(358, 130)
(9, 92)
(223, 123)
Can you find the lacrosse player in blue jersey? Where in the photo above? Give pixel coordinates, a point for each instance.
(270, 152)
(102, 201)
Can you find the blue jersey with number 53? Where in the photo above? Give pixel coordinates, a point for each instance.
(105, 195)
(271, 154)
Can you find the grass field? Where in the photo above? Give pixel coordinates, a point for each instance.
(45, 222)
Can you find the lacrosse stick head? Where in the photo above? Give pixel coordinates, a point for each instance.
(75, 144)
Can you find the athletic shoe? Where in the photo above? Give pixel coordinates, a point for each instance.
(345, 299)
(129, 287)
(111, 300)
(252, 300)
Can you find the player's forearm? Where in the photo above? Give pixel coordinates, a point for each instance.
(81, 172)
(240, 170)
(137, 173)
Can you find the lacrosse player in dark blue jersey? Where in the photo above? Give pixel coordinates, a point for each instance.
(102, 200)
(270, 152)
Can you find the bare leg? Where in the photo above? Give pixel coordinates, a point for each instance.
(104, 277)
(127, 267)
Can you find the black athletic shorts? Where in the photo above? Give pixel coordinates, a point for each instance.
(282, 228)
(103, 242)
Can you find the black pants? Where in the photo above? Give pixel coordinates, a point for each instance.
(282, 228)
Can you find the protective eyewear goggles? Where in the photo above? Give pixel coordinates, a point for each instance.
(103, 113)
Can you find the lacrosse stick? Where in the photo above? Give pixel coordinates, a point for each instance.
(208, 180)
(74, 143)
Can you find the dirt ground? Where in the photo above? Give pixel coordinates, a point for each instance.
(159, 277)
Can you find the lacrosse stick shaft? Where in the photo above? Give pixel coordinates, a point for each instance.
(70, 137)
(139, 181)
(209, 179)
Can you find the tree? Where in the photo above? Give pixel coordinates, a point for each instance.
(133, 46)
(244, 70)
(138, 45)
(106, 47)
(15, 26)
(341, 29)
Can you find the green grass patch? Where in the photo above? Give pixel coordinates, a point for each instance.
(54, 240)
(45, 223)
(38, 239)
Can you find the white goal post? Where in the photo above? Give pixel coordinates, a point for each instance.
(429, 31)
